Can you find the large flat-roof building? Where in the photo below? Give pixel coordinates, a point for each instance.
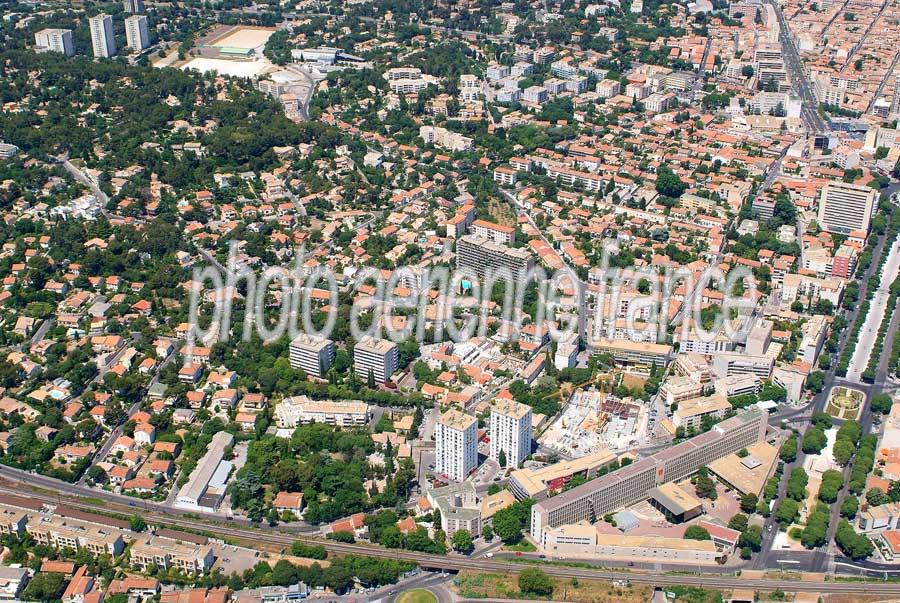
(845, 207)
(501, 235)
(314, 355)
(300, 410)
(456, 445)
(206, 486)
(541, 482)
(583, 540)
(510, 432)
(164, 553)
(631, 352)
(379, 357)
(633, 483)
(675, 503)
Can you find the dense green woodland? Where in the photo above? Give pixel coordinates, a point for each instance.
(131, 110)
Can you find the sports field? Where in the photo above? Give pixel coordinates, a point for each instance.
(245, 37)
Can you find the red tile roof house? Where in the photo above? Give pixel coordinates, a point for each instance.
(288, 502)
(355, 524)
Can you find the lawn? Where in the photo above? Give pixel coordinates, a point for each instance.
(417, 595)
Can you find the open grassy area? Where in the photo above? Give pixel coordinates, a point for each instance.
(474, 585)
(523, 547)
(417, 595)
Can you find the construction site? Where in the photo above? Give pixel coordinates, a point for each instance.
(592, 419)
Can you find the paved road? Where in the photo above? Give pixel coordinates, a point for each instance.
(799, 82)
(818, 560)
(877, 308)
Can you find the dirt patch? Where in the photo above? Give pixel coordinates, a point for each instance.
(502, 213)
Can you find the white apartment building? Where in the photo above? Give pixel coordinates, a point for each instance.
(608, 88)
(469, 88)
(456, 445)
(502, 235)
(103, 38)
(300, 410)
(845, 207)
(137, 32)
(54, 40)
(444, 138)
(134, 7)
(315, 355)
(510, 431)
(690, 413)
(482, 255)
(378, 356)
(536, 94)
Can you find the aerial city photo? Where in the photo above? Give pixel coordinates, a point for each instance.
(444, 301)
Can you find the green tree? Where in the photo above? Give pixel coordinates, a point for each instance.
(788, 451)
(696, 533)
(849, 507)
(796, 486)
(876, 497)
(788, 512)
(814, 441)
(704, 485)
(738, 522)
(832, 482)
(749, 502)
(752, 538)
(881, 403)
(488, 532)
(668, 183)
(45, 586)
(842, 451)
(856, 546)
(501, 458)
(137, 523)
(462, 541)
(815, 532)
(533, 581)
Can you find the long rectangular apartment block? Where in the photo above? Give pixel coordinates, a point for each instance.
(631, 484)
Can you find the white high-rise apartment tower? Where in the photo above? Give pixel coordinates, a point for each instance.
(103, 38)
(456, 445)
(137, 32)
(315, 355)
(378, 356)
(510, 432)
(134, 7)
(54, 40)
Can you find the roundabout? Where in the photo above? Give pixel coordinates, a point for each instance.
(417, 595)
